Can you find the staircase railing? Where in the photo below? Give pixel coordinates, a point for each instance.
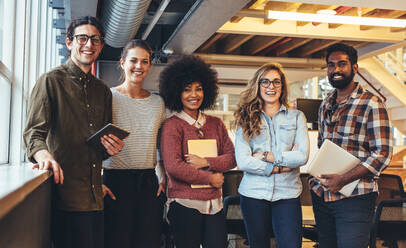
(373, 87)
(394, 61)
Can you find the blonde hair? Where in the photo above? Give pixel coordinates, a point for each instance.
(248, 113)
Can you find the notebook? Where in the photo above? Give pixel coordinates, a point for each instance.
(333, 159)
(204, 148)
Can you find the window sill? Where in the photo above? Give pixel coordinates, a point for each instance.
(16, 183)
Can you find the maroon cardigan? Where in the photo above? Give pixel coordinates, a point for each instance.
(175, 134)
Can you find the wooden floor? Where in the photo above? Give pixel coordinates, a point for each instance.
(307, 243)
(239, 243)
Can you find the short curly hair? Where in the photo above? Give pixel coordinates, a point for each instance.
(184, 71)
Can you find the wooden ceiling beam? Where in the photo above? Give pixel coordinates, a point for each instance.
(352, 12)
(253, 4)
(384, 13)
(259, 43)
(255, 26)
(398, 29)
(291, 45)
(355, 44)
(279, 6)
(275, 46)
(259, 60)
(315, 46)
(312, 8)
(232, 43)
(211, 41)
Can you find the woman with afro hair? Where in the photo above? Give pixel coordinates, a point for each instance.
(189, 86)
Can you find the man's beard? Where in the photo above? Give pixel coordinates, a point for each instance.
(342, 83)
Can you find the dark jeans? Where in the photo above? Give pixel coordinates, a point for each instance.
(77, 229)
(344, 223)
(191, 228)
(283, 216)
(135, 218)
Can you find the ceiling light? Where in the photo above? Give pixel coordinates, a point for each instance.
(326, 12)
(354, 20)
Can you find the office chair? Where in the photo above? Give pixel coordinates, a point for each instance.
(305, 196)
(390, 187)
(309, 231)
(231, 206)
(389, 222)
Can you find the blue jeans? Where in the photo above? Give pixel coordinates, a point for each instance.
(344, 223)
(283, 216)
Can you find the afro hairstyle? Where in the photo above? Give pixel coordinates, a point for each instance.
(182, 72)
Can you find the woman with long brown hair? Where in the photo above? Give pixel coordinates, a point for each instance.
(271, 144)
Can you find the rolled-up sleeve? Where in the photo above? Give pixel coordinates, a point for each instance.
(379, 138)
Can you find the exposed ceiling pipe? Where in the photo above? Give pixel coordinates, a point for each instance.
(121, 20)
(155, 19)
(203, 19)
(182, 22)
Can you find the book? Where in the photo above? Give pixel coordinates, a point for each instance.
(333, 159)
(204, 148)
(110, 128)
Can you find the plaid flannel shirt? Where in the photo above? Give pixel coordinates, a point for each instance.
(361, 126)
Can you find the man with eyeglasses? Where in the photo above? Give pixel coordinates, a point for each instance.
(67, 105)
(356, 120)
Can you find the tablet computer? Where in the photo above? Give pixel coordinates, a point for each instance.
(110, 128)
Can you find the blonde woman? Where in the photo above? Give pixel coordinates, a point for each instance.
(271, 144)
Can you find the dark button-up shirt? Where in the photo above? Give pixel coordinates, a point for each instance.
(361, 126)
(65, 108)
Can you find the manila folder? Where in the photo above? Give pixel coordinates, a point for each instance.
(333, 159)
(204, 148)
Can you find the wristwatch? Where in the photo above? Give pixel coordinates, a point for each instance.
(264, 155)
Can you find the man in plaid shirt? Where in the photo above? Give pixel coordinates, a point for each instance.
(357, 121)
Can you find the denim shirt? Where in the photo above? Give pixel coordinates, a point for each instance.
(278, 135)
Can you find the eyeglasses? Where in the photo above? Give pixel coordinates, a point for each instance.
(82, 39)
(264, 82)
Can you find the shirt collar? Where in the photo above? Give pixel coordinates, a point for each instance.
(283, 108)
(201, 120)
(332, 96)
(77, 72)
